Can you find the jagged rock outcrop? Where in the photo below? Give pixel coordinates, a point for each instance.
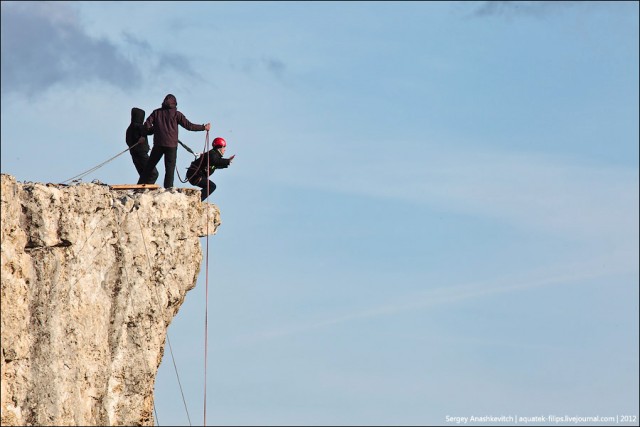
(91, 279)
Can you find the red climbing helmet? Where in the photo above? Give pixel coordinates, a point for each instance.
(219, 142)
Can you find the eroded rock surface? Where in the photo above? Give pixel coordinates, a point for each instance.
(91, 279)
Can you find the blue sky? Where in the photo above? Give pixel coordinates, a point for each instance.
(433, 209)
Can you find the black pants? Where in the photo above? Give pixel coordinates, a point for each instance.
(140, 157)
(201, 181)
(170, 154)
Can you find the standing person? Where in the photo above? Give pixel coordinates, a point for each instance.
(197, 173)
(136, 137)
(164, 121)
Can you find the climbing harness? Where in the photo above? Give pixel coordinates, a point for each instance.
(205, 150)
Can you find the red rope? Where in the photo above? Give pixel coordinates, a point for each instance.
(206, 303)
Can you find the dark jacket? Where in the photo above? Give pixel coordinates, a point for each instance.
(137, 131)
(165, 120)
(198, 167)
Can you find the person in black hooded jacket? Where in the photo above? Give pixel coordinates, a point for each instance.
(197, 173)
(136, 138)
(164, 121)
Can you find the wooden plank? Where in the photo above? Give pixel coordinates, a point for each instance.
(134, 186)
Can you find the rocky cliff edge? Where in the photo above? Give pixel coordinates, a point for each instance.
(91, 279)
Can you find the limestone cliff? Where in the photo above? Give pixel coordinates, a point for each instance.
(91, 279)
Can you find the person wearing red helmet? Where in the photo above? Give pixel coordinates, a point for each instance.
(197, 173)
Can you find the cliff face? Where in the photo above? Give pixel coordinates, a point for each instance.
(91, 279)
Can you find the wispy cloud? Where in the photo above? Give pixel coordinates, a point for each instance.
(160, 63)
(514, 8)
(594, 203)
(273, 66)
(45, 44)
(565, 275)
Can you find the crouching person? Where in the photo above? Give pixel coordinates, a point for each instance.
(197, 173)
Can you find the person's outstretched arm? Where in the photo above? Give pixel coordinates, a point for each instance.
(185, 123)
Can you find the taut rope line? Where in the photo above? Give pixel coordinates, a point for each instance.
(95, 168)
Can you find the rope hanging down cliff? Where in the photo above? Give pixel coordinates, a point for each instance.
(206, 302)
(206, 149)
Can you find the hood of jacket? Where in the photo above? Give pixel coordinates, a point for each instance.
(137, 116)
(169, 102)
